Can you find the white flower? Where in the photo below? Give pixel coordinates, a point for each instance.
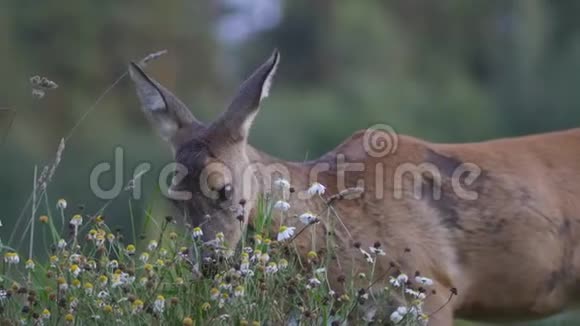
(61, 244)
(225, 286)
(197, 232)
(152, 245)
(103, 295)
(403, 278)
(76, 220)
(312, 283)
(282, 206)
(308, 218)
(367, 256)
(11, 258)
(256, 255)
(113, 264)
(127, 279)
(399, 280)
(63, 286)
(282, 183)
(271, 268)
(239, 291)
(424, 280)
(75, 258)
(61, 204)
(137, 306)
(159, 304)
(75, 270)
(285, 232)
(144, 257)
(116, 280)
(283, 263)
(245, 265)
(264, 258)
(30, 264)
(396, 317)
(413, 293)
(415, 311)
(377, 251)
(402, 310)
(316, 189)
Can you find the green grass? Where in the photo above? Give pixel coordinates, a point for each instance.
(94, 277)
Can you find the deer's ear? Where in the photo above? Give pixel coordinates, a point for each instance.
(164, 110)
(238, 118)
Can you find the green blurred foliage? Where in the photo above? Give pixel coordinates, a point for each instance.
(447, 71)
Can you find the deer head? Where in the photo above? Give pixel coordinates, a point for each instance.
(211, 187)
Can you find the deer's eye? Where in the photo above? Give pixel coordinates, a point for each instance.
(225, 193)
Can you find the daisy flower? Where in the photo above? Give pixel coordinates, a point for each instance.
(282, 263)
(264, 258)
(113, 264)
(152, 245)
(144, 257)
(214, 293)
(367, 256)
(424, 280)
(285, 232)
(271, 268)
(239, 291)
(130, 249)
(11, 258)
(396, 317)
(282, 206)
(76, 220)
(30, 264)
(61, 204)
(316, 189)
(159, 304)
(282, 183)
(412, 293)
(377, 251)
(137, 306)
(75, 270)
(61, 244)
(308, 218)
(312, 283)
(88, 288)
(399, 280)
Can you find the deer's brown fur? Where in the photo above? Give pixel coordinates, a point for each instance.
(511, 253)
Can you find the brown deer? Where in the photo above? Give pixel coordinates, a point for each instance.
(497, 220)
